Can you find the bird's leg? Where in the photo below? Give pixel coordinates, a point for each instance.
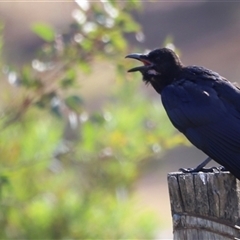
(199, 168)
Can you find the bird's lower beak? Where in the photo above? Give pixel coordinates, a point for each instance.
(135, 69)
(140, 57)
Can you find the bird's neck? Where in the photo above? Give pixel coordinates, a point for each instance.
(166, 79)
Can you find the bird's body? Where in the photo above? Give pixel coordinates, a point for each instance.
(200, 103)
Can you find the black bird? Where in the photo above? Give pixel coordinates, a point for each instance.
(200, 103)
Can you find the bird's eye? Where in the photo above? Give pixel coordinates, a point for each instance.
(152, 72)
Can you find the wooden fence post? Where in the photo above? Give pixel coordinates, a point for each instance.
(205, 206)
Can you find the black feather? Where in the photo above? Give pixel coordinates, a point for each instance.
(200, 103)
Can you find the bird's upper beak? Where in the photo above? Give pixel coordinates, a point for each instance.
(142, 58)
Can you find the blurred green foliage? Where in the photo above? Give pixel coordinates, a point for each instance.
(67, 173)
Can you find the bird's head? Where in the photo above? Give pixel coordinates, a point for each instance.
(159, 68)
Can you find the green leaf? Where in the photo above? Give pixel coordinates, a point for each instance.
(127, 23)
(27, 79)
(74, 102)
(69, 79)
(44, 31)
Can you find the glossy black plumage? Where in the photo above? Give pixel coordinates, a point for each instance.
(200, 103)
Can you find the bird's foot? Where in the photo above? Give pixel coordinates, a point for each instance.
(203, 169)
(219, 169)
(195, 170)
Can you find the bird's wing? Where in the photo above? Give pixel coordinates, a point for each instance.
(229, 94)
(209, 117)
(189, 104)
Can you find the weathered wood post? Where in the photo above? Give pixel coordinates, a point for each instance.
(205, 206)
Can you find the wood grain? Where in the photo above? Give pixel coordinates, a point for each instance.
(205, 205)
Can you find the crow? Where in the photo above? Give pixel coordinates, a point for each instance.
(200, 103)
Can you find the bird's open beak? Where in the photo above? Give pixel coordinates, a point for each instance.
(142, 58)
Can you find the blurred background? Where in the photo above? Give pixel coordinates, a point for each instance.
(86, 147)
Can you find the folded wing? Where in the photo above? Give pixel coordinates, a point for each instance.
(208, 113)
